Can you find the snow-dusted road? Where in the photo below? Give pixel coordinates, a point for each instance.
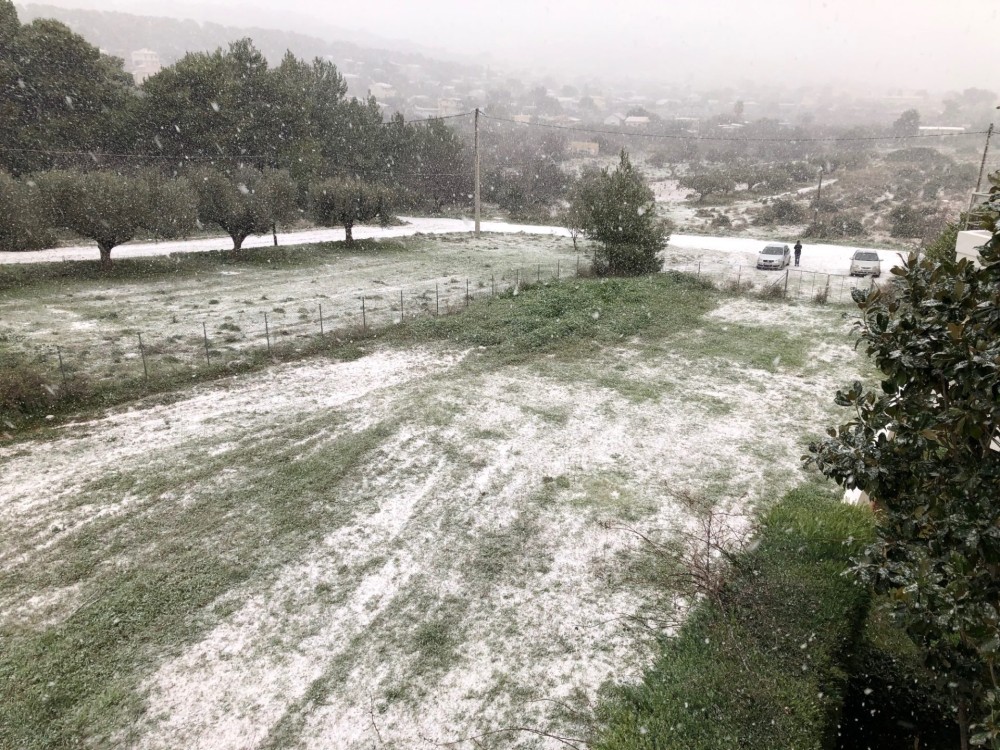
(816, 257)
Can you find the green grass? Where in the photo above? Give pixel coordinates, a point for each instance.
(573, 318)
(764, 666)
(78, 682)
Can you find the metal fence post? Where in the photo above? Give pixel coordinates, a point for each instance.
(321, 320)
(539, 280)
(62, 369)
(557, 269)
(267, 335)
(364, 320)
(466, 292)
(785, 295)
(400, 305)
(142, 353)
(204, 330)
(437, 300)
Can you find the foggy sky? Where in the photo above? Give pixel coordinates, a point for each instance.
(875, 44)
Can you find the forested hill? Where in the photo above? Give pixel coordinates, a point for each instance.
(121, 33)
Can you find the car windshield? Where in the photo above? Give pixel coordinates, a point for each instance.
(773, 251)
(865, 256)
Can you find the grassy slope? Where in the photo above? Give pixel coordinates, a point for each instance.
(765, 666)
(78, 680)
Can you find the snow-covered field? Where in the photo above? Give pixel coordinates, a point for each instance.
(820, 258)
(416, 539)
(96, 324)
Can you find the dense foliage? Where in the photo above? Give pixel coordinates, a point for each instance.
(926, 447)
(212, 118)
(617, 209)
(110, 209)
(346, 202)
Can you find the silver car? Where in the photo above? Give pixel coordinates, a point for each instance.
(774, 256)
(866, 263)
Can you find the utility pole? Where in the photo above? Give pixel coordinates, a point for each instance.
(477, 171)
(979, 180)
(819, 191)
(986, 150)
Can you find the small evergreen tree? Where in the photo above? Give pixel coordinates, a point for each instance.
(617, 210)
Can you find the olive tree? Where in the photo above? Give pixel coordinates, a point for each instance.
(244, 201)
(617, 210)
(345, 202)
(925, 446)
(112, 208)
(22, 223)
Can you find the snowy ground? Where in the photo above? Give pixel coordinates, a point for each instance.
(96, 324)
(820, 258)
(447, 572)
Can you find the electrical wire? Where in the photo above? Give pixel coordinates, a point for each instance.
(673, 136)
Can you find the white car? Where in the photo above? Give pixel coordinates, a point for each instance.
(866, 263)
(774, 256)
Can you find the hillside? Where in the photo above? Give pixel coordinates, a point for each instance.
(120, 34)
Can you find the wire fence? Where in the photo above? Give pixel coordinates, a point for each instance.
(233, 341)
(792, 283)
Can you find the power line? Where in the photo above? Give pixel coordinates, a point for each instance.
(344, 169)
(673, 136)
(436, 117)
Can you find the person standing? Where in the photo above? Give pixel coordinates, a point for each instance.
(798, 251)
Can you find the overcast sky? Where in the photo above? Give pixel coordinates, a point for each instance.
(908, 44)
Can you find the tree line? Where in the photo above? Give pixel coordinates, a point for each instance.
(222, 138)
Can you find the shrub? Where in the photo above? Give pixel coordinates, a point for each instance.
(774, 290)
(23, 391)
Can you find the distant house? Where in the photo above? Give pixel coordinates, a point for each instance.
(449, 106)
(526, 119)
(940, 129)
(615, 120)
(145, 63)
(588, 148)
(382, 91)
(636, 121)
